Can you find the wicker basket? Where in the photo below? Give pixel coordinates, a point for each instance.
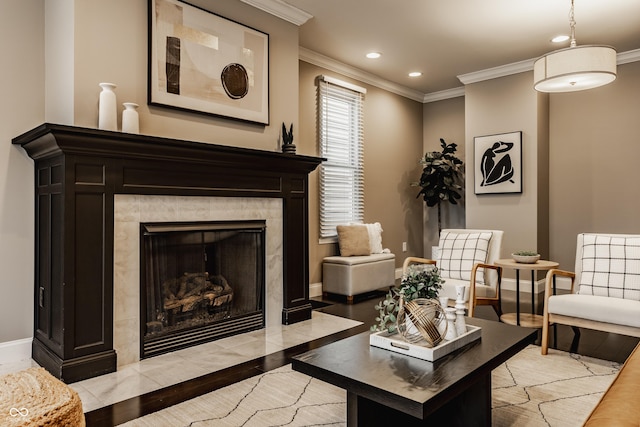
(33, 397)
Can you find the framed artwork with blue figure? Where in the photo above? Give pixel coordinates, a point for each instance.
(498, 163)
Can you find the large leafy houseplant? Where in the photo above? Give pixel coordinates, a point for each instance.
(441, 178)
(419, 281)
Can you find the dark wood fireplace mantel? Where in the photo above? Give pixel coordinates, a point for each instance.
(77, 173)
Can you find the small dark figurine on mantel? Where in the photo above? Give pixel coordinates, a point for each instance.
(287, 140)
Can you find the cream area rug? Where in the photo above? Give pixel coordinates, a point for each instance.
(559, 389)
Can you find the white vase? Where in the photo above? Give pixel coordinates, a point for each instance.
(107, 108)
(130, 119)
(460, 291)
(461, 324)
(444, 302)
(452, 333)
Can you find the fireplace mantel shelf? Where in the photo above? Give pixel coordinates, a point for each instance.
(78, 171)
(101, 143)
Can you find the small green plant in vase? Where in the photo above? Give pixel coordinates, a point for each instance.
(419, 281)
(525, 257)
(525, 253)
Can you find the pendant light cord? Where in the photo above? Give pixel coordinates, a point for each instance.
(572, 24)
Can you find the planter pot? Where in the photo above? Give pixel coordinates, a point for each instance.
(526, 259)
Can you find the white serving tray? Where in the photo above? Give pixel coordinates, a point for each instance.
(395, 342)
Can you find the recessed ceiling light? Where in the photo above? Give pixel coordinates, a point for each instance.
(560, 38)
(374, 55)
(415, 74)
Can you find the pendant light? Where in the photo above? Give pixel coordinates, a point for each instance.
(576, 67)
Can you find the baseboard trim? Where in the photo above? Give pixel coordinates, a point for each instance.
(315, 289)
(15, 351)
(562, 283)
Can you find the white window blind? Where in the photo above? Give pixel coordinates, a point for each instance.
(340, 117)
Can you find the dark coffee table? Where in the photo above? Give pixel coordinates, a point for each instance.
(387, 387)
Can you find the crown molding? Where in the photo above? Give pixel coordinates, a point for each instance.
(320, 60)
(282, 10)
(443, 94)
(628, 56)
(495, 72)
(527, 65)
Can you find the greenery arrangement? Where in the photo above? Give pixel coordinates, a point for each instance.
(526, 253)
(441, 178)
(420, 281)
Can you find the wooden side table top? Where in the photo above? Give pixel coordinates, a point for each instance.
(541, 264)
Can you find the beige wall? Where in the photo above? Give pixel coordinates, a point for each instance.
(21, 108)
(393, 146)
(443, 119)
(595, 162)
(91, 41)
(587, 155)
(88, 42)
(503, 105)
(593, 139)
(111, 45)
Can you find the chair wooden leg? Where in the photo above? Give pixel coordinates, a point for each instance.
(544, 342)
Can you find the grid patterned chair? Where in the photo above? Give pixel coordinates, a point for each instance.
(607, 295)
(466, 257)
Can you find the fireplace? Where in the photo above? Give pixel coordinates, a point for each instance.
(81, 296)
(200, 281)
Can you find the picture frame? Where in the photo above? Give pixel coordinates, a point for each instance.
(204, 63)
(498, 163)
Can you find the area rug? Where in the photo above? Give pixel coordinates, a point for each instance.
(559, 389)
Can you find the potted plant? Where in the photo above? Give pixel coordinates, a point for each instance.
(419, 281)
(441, 178)
(526, 257)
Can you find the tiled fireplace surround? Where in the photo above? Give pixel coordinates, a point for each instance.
(94, 187)
(131, 210)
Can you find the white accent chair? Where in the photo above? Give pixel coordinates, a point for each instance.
(607, 297)
(467, 266)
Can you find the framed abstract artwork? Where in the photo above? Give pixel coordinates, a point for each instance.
(498, 163)
(202, 62)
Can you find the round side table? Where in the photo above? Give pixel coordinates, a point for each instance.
(532, 320)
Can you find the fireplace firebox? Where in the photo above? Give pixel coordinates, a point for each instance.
(200, 281)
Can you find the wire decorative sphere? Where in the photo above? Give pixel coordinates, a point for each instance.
(422, 321)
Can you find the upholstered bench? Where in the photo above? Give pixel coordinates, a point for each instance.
(619, 404)
(353, 275)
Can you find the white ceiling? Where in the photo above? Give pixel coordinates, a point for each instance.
(448, 38)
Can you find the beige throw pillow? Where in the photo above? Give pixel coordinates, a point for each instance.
(353, 240)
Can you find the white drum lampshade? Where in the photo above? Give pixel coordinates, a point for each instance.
(575, 68)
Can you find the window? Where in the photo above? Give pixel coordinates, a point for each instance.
(340, 117)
